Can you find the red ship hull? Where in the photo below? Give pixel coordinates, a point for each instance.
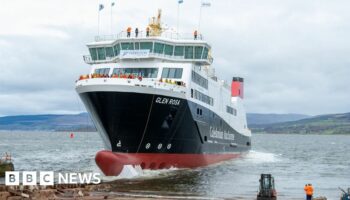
(112, 163)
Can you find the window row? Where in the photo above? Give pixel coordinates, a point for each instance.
(202, 97)
(168, 73)
(102, 71)
(175, 73)
(200, 80)
(188, 52)
(231, 110)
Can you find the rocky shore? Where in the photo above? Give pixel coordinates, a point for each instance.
(81, 192)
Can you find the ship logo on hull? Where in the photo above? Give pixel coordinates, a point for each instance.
(119, 144)
(224, 135)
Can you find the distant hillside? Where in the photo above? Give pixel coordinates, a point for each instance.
(79, 122)
(255, 119)
(259, 123)
(324, 124)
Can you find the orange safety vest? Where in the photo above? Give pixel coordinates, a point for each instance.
(128, 30)
(309, 190)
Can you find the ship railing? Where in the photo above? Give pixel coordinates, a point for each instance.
(136, 81)
(88, 59)
(142, 34)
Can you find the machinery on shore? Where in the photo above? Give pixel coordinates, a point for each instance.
(267, 189)
(6, 164)
(345, 195)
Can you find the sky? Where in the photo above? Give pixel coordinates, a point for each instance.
(293, 54)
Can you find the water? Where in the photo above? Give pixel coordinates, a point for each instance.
(294, 160)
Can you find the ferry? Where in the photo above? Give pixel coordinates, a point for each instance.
(157, 103)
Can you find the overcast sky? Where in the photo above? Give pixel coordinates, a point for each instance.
(293, 54)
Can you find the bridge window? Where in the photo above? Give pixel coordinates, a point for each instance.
(116, 49)
(158, 48)
(127, 46)
(179, 51)
(102, 71)
(231, 110)
(172, 73)
(205, 53)
(137, 45)
(168, 50)
(146, 45)
(109, 52)
(101, 54)
(143, 72)
(202, 97)
(93, 53)
(200, 80)
(188, 52)
(198, 52)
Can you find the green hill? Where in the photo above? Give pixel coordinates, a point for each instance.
(324, 124)
(79, 122)
(258, 118)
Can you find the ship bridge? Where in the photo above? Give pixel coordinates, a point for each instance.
(168, 46)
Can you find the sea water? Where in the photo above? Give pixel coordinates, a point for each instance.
(293, 160)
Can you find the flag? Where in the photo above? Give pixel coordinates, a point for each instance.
(206, 4)
(101, 7)
(113, 3)
(181, 1)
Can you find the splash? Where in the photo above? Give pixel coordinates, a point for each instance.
(133, 172)
(261, 157)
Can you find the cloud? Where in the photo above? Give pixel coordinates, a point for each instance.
(292, 54)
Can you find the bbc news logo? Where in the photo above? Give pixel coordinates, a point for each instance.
(47, 178)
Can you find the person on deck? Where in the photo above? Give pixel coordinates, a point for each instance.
(147, 31)
(128, 31)
(309, 190)
(136, 32)
(195, 34)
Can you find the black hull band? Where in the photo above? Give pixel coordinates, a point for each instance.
(147, 123)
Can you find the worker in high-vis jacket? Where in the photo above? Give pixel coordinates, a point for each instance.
(128, 30)
(309, 190)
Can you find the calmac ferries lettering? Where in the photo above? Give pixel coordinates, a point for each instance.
(221, 134)
(167, 101)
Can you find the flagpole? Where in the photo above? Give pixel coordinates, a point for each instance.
(178, 16)
(200, 16)
(98, 33)
(111, 18)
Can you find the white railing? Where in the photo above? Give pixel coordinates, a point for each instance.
(151, 83)
(89, 60)
(142, 34)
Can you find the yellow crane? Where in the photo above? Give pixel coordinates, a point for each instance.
(155, 25)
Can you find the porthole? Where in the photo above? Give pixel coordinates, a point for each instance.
(160, 146)
(148, 145)
(169, 146)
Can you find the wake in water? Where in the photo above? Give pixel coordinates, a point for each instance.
(131, 172)
(261, 157)
(134, 172)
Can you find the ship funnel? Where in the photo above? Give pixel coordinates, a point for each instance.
(237, 87)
